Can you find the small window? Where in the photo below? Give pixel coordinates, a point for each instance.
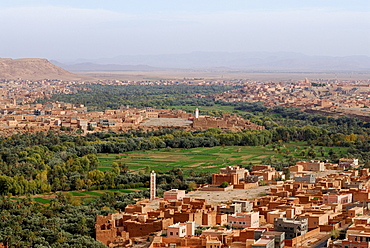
(171, 233)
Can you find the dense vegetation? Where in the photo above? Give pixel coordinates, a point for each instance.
(25, 223)
(103, 97)
(44, 162)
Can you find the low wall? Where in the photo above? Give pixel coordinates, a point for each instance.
(246, 185)
(216, 188)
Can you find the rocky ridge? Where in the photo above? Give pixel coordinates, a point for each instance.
(33, 69)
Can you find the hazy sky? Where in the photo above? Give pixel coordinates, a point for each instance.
(61, 29)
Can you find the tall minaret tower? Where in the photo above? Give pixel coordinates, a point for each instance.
(152, 185)
(196, 113)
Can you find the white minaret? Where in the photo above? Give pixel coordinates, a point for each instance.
(196, 113)
(152, 185)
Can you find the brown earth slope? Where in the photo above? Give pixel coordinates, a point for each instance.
(34, 69)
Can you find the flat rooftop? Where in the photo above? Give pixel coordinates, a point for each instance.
(263, 241)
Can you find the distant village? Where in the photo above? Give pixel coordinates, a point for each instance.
(322, 96)
(65, 116)
(18, 113)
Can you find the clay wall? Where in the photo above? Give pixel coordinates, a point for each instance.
(219, 178)
(137, 229)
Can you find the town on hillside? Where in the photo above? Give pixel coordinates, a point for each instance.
(319, 201)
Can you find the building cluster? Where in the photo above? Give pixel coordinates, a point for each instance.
(240, 178)
(347, 97)
(231, 122)
(317, 165)
(358, 234)
(177, 218)
(20, 92)
(65, 116)
(304, 211)
(17, 112)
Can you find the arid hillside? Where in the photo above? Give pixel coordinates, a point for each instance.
(34, 69)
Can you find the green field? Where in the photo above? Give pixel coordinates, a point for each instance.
(77, 194)
(42, 200)
(212, 158)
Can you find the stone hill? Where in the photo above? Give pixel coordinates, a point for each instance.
(33, 69)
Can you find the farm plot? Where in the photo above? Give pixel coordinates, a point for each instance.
(211, 159)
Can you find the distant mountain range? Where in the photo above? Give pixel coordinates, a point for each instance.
(253, 61)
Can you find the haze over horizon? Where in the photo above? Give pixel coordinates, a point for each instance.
(70, 30)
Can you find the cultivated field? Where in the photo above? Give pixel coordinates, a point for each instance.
(211, 159)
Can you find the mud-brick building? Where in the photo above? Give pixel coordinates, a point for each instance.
(109, 229)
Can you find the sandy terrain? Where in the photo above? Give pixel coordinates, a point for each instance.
(217, 197)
